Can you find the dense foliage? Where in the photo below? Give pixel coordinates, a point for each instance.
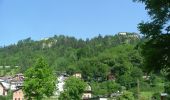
(73, 89)
(61, 52)
(39, 81)
(109, 64)
(156, 50)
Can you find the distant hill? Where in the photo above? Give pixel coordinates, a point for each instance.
(61, 51)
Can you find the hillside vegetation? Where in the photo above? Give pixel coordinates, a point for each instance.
(60, 51)
(109, 64)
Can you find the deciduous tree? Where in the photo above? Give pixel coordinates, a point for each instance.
(73, 89)
(156, 49)
(39, 81)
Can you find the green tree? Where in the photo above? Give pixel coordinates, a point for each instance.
(136, 73)
(73, 89)
(167, 89)
(156, 49)
(156, 96)
(125, 80)
(39, 81)
(112, 87)
(126, 96)
(105, 88)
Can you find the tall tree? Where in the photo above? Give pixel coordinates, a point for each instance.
(156, 49)
(39, 81)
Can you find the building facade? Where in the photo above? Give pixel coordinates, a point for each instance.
(3, 90)
(18, 94)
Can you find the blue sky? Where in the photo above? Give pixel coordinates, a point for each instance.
(37, 19)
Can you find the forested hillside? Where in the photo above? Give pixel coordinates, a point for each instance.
(63, 52)
(109, 64)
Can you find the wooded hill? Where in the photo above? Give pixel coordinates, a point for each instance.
(107, 63)
(63, 52)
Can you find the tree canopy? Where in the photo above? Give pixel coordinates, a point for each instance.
(39, 81)
(156, 49)
(106, 62)
(73, 89)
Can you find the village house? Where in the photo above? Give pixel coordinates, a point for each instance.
(14, 84)
(4, 88)
(6, 79)
(146, 77)
(111, 76)
(101, 97)
(19, 77)
(1, 80)
(18, 94)
(60, 85)
(104, 98)
(61, 81)
(77, 75)
(87, 93)
(17, 81)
